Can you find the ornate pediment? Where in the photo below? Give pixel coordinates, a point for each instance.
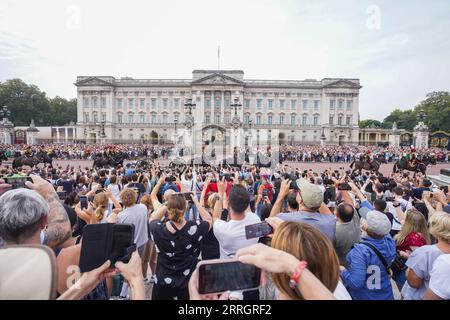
(217, 79)
(342, 84)
(93, 81)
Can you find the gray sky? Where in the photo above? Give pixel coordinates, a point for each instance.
(399, 49)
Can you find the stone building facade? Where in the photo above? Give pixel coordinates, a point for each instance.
(153, 110)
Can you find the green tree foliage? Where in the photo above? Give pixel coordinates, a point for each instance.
(28, 102)
(369, 123)
(436, 106)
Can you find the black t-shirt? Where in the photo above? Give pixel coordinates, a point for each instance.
(67, 185)
(177, 252)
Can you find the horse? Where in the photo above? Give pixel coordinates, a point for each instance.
(404, 164)
(45, 157)
(25, 161)
(3, 156)
(364, 165)
(102, 162)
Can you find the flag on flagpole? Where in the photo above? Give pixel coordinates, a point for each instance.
(218, 57)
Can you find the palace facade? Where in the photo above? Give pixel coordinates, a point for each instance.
(153, 110)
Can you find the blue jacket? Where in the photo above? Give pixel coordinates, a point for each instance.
(367, 278)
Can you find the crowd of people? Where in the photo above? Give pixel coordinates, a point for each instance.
(335, 234)
(298, 153)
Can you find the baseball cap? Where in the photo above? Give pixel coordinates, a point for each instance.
(378, 223)
(311, 194)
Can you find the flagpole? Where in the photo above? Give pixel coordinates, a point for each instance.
(218, 57)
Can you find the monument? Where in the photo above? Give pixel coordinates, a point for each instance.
(394, 136)
(421, 132)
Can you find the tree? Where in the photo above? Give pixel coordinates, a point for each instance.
(28, 102)
(437, 108)
(370, 123)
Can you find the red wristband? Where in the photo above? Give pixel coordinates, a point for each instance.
(297, 273)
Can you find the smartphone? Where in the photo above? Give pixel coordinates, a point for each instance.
(223, 275)
(106, 241)
(123, 237)
(258, 230)
(16, 182)
(187, 196)
(84, 202)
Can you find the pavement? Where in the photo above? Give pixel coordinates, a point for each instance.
(386, 169)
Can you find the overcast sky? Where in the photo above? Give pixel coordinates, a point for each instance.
(398, 49)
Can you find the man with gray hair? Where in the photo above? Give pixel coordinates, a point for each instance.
(33, 216)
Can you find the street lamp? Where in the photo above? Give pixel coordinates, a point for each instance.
(5, 113)
(190, 105)
(236, 105)
(421, 116)
(176, 131)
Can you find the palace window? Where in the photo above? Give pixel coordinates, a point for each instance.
(130, 118)
(217, 118)
(331, 120)
(259, 103)
(119, 118)
(103, 102)
(258, 119)
(142, 103)
(119, 103)
(86, 117)
(315, 120)
(218, 102)
(176, 103)
(281, 119)
(293, 104)
(227, 103)
(227, 118)
(348, 120)
(207, 118)
(349, 104)
(165, 119)
(269, 119)
(316, 105)
(340, 121)
(340, 104)
(103, 117)
(246, 119)
(304, 119)
(95, 117)
(270, 103)
(94, 101)
(247, 103)
(153, 118)
(142, 118)
(86, 102)
(130, 102)
(165, 103)
(305, 104)
(293, 120)
(153, 103)
(332, 102)
(207, 103)
(282, 104)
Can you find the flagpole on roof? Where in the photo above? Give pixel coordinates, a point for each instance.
(218, 57)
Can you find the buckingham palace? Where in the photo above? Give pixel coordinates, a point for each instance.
(159, 111)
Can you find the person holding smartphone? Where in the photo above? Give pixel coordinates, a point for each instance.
(177, 242)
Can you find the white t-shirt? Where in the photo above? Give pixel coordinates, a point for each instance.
(115, 190)
(440, 277)
(341, 293)
(231, 234)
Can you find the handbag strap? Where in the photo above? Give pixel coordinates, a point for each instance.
(378, 253)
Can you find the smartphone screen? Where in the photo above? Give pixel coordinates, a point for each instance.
(223, 276)
(123, 237)
(16, 182)
(258, 230)
(83, 202)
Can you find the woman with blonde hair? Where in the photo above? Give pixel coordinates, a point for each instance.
(305, 242)
(420, 262)
(177, 243)
(98, 210)
(149, 257)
